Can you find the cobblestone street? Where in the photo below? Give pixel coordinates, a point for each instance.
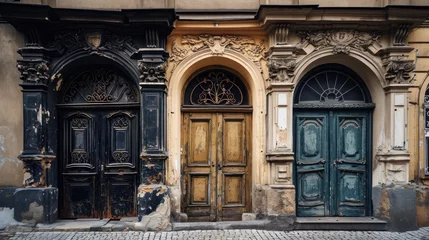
(421, 234)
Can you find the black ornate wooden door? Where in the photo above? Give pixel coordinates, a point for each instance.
(99, 150)
(99, 170)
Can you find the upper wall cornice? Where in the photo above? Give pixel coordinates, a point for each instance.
(312, 14)
(23, 14)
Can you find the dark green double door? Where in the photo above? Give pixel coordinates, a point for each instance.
(332, 169)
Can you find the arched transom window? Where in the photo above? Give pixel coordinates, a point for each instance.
(331, 85)
(216, 88)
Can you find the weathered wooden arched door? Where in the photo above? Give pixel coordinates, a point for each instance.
(98, 129)
(216, 145)
(332, 114)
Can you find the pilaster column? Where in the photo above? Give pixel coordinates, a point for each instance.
(281, 64)
(153, 195)
(37, 154)
(37, 157)
(394, 159)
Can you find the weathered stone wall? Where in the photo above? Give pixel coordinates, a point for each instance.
(419, 40)
(11, 168)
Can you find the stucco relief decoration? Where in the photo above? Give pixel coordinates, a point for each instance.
(70, 41)
(33, 72)
(398, 70)
(152, 72)
(341, 40)
(281, 70)
(255, 51)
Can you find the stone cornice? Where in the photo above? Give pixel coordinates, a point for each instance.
(307, 14)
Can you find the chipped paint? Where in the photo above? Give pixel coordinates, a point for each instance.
(34, 213)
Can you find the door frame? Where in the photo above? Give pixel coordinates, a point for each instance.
(61, 108)
(368, 109)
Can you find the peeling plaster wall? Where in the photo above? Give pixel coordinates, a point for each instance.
(11, 168)
(419, 40)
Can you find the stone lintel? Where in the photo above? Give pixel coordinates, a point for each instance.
(397, 88)
(280, 156)
(393, 157)
(284, 51)
(280, 87)
(282, 186)
(150, 54)
(395, 51)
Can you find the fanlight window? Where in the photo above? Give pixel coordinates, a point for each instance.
(216, 87)
(99, 86)
(331, 86)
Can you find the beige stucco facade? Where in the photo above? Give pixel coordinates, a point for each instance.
(248, 42)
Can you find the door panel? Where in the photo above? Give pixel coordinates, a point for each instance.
(198, 165)
(99, 163)
(331, 153)
(311, 162)
(216, 172)
(119, 170)
(349, 180)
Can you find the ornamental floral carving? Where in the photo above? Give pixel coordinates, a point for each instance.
(341, 40)
(152, 71)
(398, 70)
(33, 71)
(70, 41)
(280, 70)
(189, 44)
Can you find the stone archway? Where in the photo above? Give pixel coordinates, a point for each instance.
(98, 141)
(332, 139)
(252, 77)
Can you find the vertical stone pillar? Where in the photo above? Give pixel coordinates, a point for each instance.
(394, 159)
(281, 64)
(36, 155)
(153, 196)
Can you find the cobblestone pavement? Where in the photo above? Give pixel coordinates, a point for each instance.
(421, 234)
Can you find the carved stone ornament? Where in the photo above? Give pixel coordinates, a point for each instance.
(217, 44)
(152, 72)
(280, 70)
(341, 40)
(34, 71)
(70, 41)
(398, 70)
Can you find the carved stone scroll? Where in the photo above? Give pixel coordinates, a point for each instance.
(217, 44)
(341, 40)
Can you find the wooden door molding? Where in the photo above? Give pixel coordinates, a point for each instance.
(216, 166)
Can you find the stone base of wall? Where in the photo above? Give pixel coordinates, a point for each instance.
(154, 208)
(36, 205)
(404, 207)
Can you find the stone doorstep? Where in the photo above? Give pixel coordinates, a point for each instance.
(252, 224)
(78, 225)
(340, 223)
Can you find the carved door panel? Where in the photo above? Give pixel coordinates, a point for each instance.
(216, 166)
(331, 168)
(99, 163)
(312, 164)
(349, 156)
